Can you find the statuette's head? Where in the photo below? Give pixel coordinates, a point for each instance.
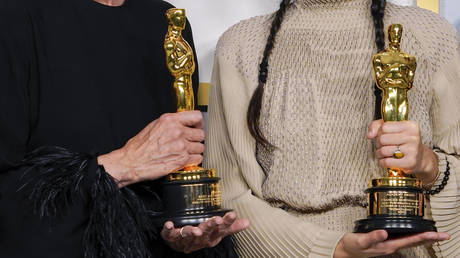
(394, 35)
(177, 18)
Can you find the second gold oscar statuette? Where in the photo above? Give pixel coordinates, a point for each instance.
(396, 202)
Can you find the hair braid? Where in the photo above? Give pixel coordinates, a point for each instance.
(255, 104)
(378, 11)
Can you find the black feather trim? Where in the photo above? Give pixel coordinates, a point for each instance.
(118, 225)
(59, 182)
(118, 222)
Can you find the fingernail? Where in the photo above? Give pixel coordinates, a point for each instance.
(370, 135)
(444, 236)
(197, 232)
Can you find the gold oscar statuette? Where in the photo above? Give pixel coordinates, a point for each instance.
(396, 202)
(192, 195)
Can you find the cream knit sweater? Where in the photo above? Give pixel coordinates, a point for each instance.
(318, 102)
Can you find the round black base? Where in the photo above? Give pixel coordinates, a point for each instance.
(395, 227)
(190, 219)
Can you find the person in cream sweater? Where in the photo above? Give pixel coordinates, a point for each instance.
(292, 127)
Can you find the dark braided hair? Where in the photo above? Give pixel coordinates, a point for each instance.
(255, 105)
(378, 11)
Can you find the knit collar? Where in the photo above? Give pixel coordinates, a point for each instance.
(329, 3)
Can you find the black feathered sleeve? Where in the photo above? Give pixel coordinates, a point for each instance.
(54, 202)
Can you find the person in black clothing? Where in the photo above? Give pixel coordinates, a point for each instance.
(80, 84)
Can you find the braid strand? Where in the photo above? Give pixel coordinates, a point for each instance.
(378, 12)
(255, 105)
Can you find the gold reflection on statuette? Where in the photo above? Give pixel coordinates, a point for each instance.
(394, 73)
(180, 59)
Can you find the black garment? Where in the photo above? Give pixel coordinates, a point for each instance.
(84, 77)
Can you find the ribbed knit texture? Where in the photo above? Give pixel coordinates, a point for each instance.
(302, 196)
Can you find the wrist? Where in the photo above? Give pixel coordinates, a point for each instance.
(339, 251)
(113, 165)
(430, 170)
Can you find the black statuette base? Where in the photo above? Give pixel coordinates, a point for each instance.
(187, 219)
(190, 198)
(396, 227)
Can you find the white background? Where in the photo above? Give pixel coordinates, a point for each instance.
(450, 9)
(210, 18)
